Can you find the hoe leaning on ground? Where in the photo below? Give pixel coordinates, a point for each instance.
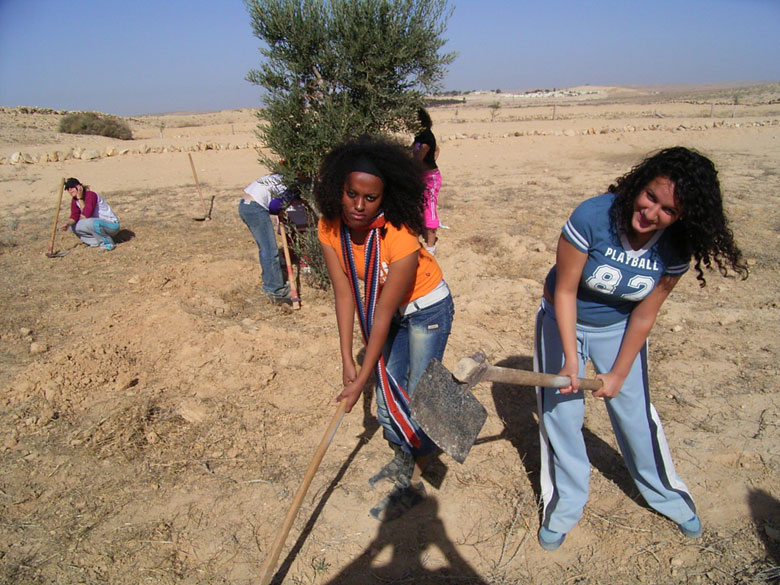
(50, 253)
(206, 213)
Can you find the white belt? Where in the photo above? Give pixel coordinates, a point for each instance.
(439, 293)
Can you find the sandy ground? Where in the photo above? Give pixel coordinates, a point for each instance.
(158, 414)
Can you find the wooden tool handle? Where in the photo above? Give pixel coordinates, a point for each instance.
(197, 183)
(474, 369)
(56, 217)
(267, 570)
(290, 275)
(526, 378)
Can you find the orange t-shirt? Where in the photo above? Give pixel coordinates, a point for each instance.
(394, 245)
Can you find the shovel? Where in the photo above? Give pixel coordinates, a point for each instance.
(445, 408)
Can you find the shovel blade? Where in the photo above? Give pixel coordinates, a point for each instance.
(447, 411)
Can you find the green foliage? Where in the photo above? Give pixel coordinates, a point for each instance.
(96, 124)
(306, 245)
(337, 69)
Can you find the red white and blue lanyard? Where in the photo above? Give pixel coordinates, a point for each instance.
(396, 398)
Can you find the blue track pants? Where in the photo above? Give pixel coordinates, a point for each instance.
(565, 470)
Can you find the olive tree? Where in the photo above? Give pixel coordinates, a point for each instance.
(333, 70)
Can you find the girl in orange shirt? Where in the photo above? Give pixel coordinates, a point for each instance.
(370, 196)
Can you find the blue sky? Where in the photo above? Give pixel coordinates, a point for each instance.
(150, 56)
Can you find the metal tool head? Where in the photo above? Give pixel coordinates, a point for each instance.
(447, 410)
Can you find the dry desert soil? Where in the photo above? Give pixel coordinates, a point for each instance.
(157, 414)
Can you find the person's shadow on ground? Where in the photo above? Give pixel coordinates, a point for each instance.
(123, 236)
(765, 512)
(410, 538)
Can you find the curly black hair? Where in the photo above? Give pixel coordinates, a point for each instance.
(702, 231)
(402, 196)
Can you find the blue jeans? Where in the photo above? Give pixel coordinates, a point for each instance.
(258, 220)
(413, 341)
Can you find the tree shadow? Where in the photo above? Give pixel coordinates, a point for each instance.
(765, 512)
(409, 537)
(516, 407)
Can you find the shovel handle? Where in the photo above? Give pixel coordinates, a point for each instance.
(474, 369)
(526, 378)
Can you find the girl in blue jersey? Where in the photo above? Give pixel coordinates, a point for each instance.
(619, 256)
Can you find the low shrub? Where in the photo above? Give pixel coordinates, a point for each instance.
(96, 124)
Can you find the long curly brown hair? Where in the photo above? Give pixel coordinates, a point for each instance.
(702, 231)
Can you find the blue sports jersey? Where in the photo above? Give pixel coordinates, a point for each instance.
(615, 276)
